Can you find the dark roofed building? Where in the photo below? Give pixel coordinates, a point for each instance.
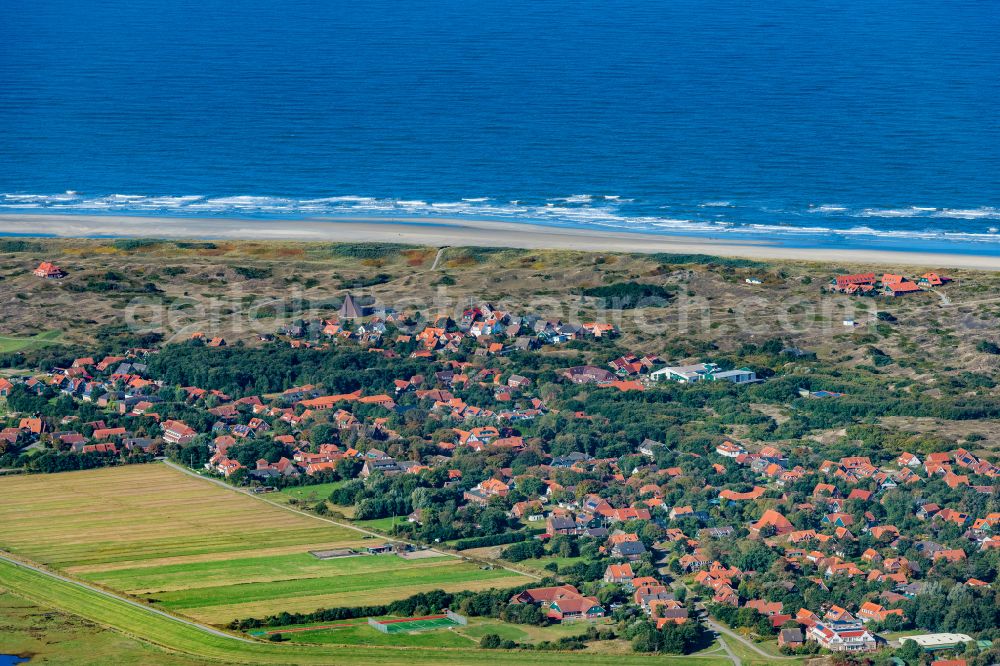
(349, 310)
(791, 637)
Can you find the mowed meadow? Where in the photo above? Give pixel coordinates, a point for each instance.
(197, 549)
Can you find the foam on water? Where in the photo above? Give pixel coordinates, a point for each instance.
(583, 211)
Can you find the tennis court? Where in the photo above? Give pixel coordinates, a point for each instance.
(408, 624)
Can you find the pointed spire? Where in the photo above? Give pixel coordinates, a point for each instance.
(349, 310)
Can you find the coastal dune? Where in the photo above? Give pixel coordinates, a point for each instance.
(451, 231)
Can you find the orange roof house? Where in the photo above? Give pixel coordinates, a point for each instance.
(328, 401)
(933, 279)
(843, 281)
(176, 432)
(955, 555)
(772, 518)
(49, 270)
(895, 285)
(872, 611)
(619, 573)
(35, 426)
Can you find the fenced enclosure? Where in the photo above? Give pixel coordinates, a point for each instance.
(423, 623)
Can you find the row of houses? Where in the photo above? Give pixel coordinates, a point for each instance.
(888, 284)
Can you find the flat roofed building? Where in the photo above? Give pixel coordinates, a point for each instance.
(711, 372)
(941, 641)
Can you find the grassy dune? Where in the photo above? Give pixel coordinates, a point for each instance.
(9, 344)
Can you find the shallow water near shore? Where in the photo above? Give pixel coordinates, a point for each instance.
(851, 126)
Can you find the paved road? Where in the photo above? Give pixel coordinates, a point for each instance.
(750, 645)
(349, 526)
(145, 607)
(721, 630)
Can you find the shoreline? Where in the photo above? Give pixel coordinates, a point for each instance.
(443, 231)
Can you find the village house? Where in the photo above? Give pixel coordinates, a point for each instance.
(381, 465)
(562, 602)
(872, 612)
(849, 284)
(49, 270)
(791, 638)
(843, 637)
(588, 374)
(730, 450)
(620, 574)
(771, 520)
(176, 432)
(898, 285)
(482, 493)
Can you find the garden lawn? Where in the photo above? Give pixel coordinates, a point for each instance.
(314, 493)
(524, 633)
(381, 524)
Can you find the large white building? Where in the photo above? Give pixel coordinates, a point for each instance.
(709, 372)
(843, 637)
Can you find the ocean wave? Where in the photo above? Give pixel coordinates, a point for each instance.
(581, 211)
(986, 212)
(912, 211)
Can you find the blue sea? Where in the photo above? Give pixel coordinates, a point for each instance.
(848, 124)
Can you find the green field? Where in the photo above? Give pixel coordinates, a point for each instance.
(310, 494)
(359, 633)
(34, 342)
(185, 639)
(389, 577)
(381, 524)
(215, 555)
(539, 564)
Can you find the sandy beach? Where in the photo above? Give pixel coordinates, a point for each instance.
(448, 231)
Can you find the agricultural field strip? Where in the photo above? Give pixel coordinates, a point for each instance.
(199, 535)
(85, 524)
(251, 570)
(153, 563)
(177, 635)
(387, 583)
(224, 613)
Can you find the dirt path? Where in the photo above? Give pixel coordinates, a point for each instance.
(437, 257)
